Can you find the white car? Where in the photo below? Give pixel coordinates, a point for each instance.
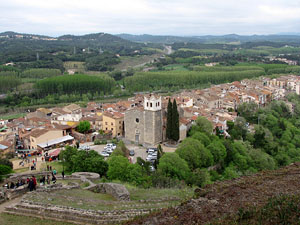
(104, 154)
(152, 169)
(111, 145)
(109, 151)
(151, 158)
(154, 154)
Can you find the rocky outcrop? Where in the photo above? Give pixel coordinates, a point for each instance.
(116, 190)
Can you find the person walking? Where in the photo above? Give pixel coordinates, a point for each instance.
(30, 184)
(63, 174)
(34, 182)
(48, 179)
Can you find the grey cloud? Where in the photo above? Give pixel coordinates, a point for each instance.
(174, 17)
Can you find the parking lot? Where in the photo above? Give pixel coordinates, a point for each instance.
(139, 150)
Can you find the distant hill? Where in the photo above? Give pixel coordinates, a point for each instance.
(210, 39)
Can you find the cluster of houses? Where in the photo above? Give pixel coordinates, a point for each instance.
(142, 118)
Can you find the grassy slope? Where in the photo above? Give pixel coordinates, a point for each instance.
(225, 199)
(6, 219)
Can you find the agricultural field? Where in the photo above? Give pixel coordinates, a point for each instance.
(135, 62)
(74, 66)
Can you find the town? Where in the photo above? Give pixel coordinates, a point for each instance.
(139, 121)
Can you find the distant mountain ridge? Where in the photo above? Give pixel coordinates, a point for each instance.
(207, 39)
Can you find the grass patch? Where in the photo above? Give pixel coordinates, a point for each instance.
(157, 193)
(58, 166)
(84, 199)
(7, 219)
(21, 170)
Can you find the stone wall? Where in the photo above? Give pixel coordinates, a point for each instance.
(131, 126)
(116, 190)
(73, 215)
(16, 177)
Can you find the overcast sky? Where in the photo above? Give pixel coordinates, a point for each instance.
(172, 17)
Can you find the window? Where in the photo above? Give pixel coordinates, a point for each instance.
(150, 104)
(105, 123)
(112, 128)
(112, 124)
(118, 134)
(119, 122)
(106, 128)
(158, 103)
(137, 120)
(120, 127)
(147, 104)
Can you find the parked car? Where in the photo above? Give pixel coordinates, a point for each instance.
(152, 169)
(131, 152)
(104, 154)
(151, 158)
(111, 145)
(109, 151)
(151, 150)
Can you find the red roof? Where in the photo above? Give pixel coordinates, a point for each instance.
(55, 153)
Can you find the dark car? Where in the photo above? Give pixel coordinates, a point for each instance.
(131, 152)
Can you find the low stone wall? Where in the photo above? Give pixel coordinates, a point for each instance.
(116, 190)
(74, 215)
(9, 194)
(88, 175)
(16, 177)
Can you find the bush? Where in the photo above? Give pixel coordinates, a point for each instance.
(6, 162)
(100, 142)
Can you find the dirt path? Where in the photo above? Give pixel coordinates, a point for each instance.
(16, 164)
(9, 203)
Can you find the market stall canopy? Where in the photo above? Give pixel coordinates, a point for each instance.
(56, 141)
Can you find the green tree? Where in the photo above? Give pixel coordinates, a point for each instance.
(202, 137)
(204, 125)
(218, 151)
(200, 177)
(121, 149)
(4, 170)
(194, 153)
(135, 174)
(169, 120)
(118, 168)
(84, 126)
(171, 165)
(175, 121)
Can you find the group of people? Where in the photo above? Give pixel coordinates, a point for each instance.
(31, 182)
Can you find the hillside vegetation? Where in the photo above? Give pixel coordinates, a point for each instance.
(265, 198)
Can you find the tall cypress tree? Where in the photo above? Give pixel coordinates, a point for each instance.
(169, 121)
(175, 122)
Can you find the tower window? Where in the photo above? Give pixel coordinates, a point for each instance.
(147, 104)
(150, 104)
(158, 104)
(137, 120)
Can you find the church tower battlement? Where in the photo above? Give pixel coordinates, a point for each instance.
(152, 102)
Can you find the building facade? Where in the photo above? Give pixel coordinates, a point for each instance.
(144, 125)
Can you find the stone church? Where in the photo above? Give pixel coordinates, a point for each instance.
(144, 125)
